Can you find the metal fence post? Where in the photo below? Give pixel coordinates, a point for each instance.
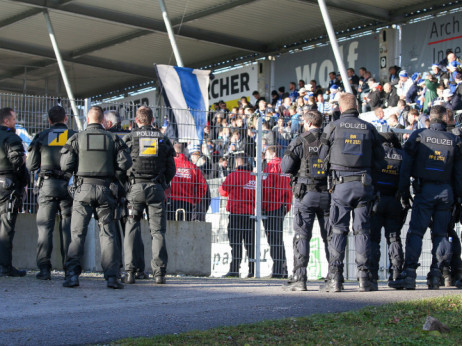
(258, 197)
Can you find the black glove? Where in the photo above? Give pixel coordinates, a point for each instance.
(405, 199)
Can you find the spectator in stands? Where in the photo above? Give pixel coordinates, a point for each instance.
(413, 120)
(239, 188)
(274, 98)
(223, 107)
(262, 109)
(276, 203)
(364, 90)
(332, 79)
(187, 188)
(301, 84)
(362, 73)
(374, 99)
(283, 110)
(353, 79)
(295, 117)
(393, 78)
(458, 80)
(404, 84)
(244, 103)
(393, 122)
(333, 101)
(379, 122)
(451, 101)
(223, 169)
(257, 97)
(413, 92)
(323, 106)
(431, 84)
(300, 103)
(402, 112)
(202, 162)
(440, 75)
(452, 71)
(293, 93)
(390, 97)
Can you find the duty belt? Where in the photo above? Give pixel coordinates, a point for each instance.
(436, 182)
(317, 187)
(55, 174)
(135, 180)
(96, 181)
(347, 179)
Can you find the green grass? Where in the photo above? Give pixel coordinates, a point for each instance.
(399, 323)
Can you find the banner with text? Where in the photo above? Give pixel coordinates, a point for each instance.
(318, 62)
(425, 43)
(230, 86)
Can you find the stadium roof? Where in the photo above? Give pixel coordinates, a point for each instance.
(109, 44)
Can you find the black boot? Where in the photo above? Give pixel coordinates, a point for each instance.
(129, 277)
(295, 286)
(44, 274)
(71, 280)
(160, 279)
(434, 279)
(458, 283)
(404, 280)
(447, 279)
(141, 275)
(366, 284)
(113, 282)
(333, 283)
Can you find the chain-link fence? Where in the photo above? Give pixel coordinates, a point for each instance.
(230, 180)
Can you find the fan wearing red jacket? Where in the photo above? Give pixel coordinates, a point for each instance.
(277, 200)
(239, 187)
(187, 188)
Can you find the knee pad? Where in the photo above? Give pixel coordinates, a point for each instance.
(443, 251)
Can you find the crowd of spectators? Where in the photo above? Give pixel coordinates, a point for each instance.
(231, 132)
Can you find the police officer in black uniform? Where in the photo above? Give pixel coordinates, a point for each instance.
(350, 147)
(44, 154)
(13, 179)
(312, 199)
(153, 169)
(97, 157)
(433, 157)
(113, 123)
(387, 211)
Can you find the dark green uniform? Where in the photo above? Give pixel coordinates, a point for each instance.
(13, 179)
(153, 169)
(95, 156)
(44, 154)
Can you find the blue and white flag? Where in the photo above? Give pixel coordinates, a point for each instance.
(185, 91)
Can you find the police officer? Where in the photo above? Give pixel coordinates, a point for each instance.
(13, 179)
(113, 123)
(44, 156)
(387, 211)
(96, 157)
(434, 158)
(153, 169)
(350, 147)
(312, 199)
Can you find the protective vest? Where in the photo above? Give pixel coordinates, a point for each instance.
(387, 177)
(435, 156)
(5, 165)
(311, 165)
(149, 152)
(352, 146)
(96, 153)
(51, 142)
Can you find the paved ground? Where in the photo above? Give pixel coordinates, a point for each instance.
(36, 312)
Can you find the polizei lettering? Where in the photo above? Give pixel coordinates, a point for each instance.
(313, 149)
(440, 141)
(147, 134)
(354, 126)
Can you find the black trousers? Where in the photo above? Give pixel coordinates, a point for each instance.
(241, 228)
(7, 225)
(274, 224)
(53, 198)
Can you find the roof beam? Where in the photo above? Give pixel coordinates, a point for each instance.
(89, 61)
(208, 11)
(144, 23)
(363, 10)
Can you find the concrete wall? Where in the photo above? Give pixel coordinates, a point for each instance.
(188, 245)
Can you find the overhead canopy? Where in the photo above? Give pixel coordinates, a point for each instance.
(110, 44)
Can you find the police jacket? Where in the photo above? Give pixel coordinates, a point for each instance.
(44, 152)
(386, 174)
(239, 187)
(95, 152)
(276, 187)
(11, 151)
(350, 144)
(152, 154)
(302, 161)
(189, 184)
(433, 156)
(12, 157)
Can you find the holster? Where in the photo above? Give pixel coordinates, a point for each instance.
(417, 186)
(300, 191)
